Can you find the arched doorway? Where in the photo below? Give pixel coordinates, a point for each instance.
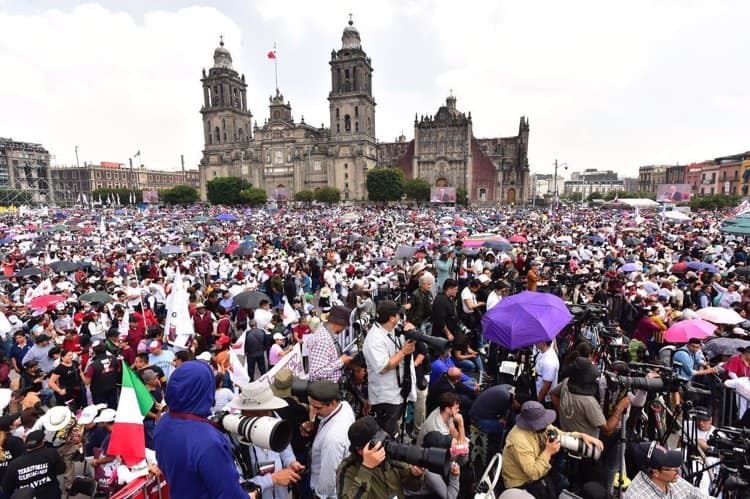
(510, 196)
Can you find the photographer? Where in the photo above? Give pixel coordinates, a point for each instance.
(274, 472)
(390, 370)
(330, 444)
(367, 474)
(659, 475)
(194, 455)
(529, 449)
(420, 306)
(435, 485)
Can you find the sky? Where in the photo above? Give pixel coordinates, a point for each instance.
(605, 85)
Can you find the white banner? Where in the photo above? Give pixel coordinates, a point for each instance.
(178, 326)
(291, 361)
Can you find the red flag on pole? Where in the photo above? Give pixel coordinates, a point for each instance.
(272, 54)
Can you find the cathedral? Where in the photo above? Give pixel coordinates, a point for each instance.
(284, 157)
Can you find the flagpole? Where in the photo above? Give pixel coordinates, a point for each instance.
(275, 68)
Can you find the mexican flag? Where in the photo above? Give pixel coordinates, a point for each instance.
(127, 439)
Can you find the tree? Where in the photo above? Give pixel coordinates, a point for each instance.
(714, 202)
(179, 194)
(226, 190)
(305, 196)
(328, 194)
(417, 189)
(594, 195)
(253, 196)
(462, 197)
(385, 184)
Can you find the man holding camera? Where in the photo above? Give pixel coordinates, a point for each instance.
(390, 371)
(529, 449)
(331, 443)
(367, 474)
(326, 360)
(660, 475)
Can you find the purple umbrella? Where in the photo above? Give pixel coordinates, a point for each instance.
(524, 319)
(630, 267)
(702, 267)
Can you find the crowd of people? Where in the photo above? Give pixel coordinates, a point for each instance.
(385, 308)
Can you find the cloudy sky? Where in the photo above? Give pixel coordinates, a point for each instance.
(605, 85)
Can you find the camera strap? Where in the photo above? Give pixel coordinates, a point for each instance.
(193, 417)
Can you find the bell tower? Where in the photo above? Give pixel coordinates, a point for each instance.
(352, 106)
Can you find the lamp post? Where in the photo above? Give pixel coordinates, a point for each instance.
(565, 166)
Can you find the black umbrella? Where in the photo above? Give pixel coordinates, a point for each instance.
(742, 271)
(34, 252)
(89, 244)
(28, 271)
(631, 241)
(64, 266)
(96, 297)
(243, 251)
(216, 249)
(171, 249)
(250, 299)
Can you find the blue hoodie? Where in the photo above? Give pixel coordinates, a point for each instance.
(193, 455)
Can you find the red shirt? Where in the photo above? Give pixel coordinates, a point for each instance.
(737, 366)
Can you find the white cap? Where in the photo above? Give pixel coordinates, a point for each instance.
(106, 416)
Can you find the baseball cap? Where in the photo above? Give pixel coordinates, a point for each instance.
(653, 455)
(154, 345)
(34, 439)
(89, 413)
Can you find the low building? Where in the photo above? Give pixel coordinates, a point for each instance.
(69, 182)
(591, 175)
(585, 188)
(543, 185)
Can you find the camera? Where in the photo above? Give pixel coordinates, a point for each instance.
(433, 459)
(575, 446)
(263, 431)
(438, 344)
(667, 382)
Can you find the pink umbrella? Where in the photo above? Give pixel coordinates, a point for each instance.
(517, 239)
(681, 332)
(231, 247)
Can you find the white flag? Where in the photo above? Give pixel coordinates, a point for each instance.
(291, 361)
(85, 200)
(239, 371)
(178, 326)
(45, 287)
(290, 315)
(102, 226)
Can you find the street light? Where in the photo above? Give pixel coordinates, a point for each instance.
(565, 166)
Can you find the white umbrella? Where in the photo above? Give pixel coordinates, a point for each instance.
(720, 315)
(677, 216)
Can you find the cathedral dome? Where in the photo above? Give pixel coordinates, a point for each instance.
(350, 39)
(222, 57)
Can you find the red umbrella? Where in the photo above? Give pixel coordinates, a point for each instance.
(679, 268)
(46, 301)
(517, 239)
(231, 247)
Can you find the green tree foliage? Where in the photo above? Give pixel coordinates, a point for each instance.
(253, 196)
(462, 197)
(306, 196)
(417, 189)
(594, 195)
(714, 202)
(121, 196)
(609, 196)
(179, 194)
(385, 184)
(572, 196)
(15, 197)
(226, 190)
(328, 194)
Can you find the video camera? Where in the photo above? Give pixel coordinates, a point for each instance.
(732, 446)
(590, 312)
(575, 446)
(667, 382)
(263, 431)
(434, 459)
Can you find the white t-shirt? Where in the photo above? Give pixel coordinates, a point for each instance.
(493, 299)
(547, 366)
(466, 294)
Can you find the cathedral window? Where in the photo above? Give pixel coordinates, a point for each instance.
(217, 134)
(356, 111)
(347, 123)
(338, 127)
(337, 113)
(356, 126)
(242, 134)
(275, 115)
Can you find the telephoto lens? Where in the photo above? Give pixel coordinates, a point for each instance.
(432, 459)
(266, 432)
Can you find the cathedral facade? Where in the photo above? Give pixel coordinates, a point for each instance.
(284, 156)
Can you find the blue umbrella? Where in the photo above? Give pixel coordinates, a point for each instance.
(498, 244)
(702, 266)
(526, 318)
(630, 267)
(226, 217)
(596, 239)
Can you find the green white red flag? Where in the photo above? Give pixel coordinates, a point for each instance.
(128, 440)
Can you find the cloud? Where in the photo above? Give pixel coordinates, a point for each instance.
(604, 85)
(95, 78)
